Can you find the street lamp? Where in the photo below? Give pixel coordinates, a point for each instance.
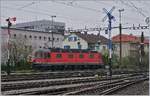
(120, 30)
(52, 30)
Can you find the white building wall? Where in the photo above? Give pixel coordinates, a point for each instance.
(74, 44)
(34, 42)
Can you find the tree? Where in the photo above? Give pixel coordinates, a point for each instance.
(19, 51)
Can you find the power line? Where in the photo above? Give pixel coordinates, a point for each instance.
(78, 6)
(27, 5)
(137, 9)
(132, 18)
(47, 14)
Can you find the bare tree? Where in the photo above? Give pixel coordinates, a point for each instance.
(18, 49)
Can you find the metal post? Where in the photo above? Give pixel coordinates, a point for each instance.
(120, 30)
(52, 32)
(110, 48)
(8, 62)
(142, 51)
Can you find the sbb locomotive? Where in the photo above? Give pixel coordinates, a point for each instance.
(62, 59)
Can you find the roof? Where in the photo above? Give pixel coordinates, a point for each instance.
(65, 50)
(91, 38)
(49, 22)
(31, 30)
(128, 38)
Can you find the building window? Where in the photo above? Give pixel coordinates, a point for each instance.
(40, 37)
(30, 36)
(66, 47)
(57, 39)
(49, 38)
(44, 38)
(72, 38)
(75, 38)
(80, 55)
(79, 45)
(25, 36)
(35, 37)
(58, 55)
(14, 35)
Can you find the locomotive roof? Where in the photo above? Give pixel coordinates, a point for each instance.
(67, 50)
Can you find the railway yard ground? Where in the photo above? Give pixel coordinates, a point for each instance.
(136, 89)
(75, 83)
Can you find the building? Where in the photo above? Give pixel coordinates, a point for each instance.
(130, 45)
(42, 25)
(29, 39)
(77, 40)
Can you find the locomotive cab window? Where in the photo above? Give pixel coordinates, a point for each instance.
(58, 56)
(91, 55)
(81, 56)
(70, 56)
(38, 55)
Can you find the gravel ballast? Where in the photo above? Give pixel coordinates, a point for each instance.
(141, 88)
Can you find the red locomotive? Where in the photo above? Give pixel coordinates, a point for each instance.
(60, 59)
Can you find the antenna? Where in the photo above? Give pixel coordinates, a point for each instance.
(110, 18)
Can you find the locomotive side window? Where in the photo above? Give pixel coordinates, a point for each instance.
(58, 55)
(70, 56)
(45, 55)
(91, 55)
(36, 54)
(48, 55)
(41, 54)
(81, 56)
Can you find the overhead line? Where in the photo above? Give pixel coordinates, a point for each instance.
(78, 6)
(42, 13)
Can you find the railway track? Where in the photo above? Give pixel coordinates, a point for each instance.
(51, 82)
(66, 86)
(107, 88)
(49, 75)
(53, 75)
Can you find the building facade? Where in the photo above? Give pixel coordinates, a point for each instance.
(77, 40)
(130, 45)
(29, 39)
(42, 25)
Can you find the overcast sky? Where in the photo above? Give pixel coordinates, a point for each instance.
(79, 13)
